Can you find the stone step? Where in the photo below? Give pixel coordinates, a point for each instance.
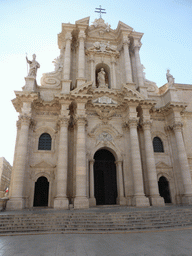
(79, 222)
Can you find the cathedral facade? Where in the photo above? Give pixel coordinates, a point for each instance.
(96, 131)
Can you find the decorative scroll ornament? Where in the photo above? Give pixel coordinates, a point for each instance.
(103, 47)
(101, 23)
(53, 78)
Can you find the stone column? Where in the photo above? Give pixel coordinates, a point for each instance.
(184, 166)
(92, 200)
(120, 184)
(128, 71)
(66, 82)
(137, 44)
(113, 62)
(61, 200)
(92, 70)
(81, 200)
(139, 198)
(154, 197)
(81, 61)
(16, 201)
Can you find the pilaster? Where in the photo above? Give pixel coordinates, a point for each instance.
(81, 199)
(61, 201)
(92, 200)
(81, 62)
(128, 71)
(142, 88)
(154, 197)
(16, 201)
(66, 82)
(139, 198)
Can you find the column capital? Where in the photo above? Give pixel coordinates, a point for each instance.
(80, 120)
(133, 122)
(24, 119)
(126, 41)
(81, 35)
(68, 36)
(177, 126)
(63, 121)
(146, 124)
(118, 162)
(136, 44)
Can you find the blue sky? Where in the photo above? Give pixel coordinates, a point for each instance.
(32, 27)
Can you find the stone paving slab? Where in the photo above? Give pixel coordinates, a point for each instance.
(161, 243)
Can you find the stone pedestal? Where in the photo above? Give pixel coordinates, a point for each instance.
(66, 85)
(80, 81)
(30, 84)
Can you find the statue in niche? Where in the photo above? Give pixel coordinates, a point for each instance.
(101, 78)
(170, 78)
(33, 66)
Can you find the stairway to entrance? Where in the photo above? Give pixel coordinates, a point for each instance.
(98, 220)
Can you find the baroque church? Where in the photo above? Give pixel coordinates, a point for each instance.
(96, 131)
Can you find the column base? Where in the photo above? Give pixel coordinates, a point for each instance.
(92, 201)
(15, 204)
(140, 201)
(187, 200)
(156, 201)
(61, 203)
(81, 202)
(66, 85)
(121, 200)
(80, 81)
(129, 200)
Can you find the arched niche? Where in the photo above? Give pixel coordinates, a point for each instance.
(107, 74)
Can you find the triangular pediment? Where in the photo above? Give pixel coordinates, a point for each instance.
(82, 89)
(101, 33)
(43, 164)
(131, 93)
(123, 26)
(84, 21)
(162, 165)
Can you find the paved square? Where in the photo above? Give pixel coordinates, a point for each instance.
(168, 243)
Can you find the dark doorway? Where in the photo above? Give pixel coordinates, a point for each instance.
(164, 189)
(105, 178)
(41, 192)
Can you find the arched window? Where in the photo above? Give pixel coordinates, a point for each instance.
(44, 142)
(158, 145)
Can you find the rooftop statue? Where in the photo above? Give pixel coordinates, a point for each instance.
(33, 66)
(170, 78)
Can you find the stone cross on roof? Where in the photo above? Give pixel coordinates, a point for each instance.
(100, 10)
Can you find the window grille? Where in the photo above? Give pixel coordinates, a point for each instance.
(44, 142)
(158, 145)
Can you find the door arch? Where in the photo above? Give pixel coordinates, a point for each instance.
(105, 182)
(164, 190)
(41, 192)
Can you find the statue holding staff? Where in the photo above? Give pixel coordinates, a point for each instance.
(33, 66)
